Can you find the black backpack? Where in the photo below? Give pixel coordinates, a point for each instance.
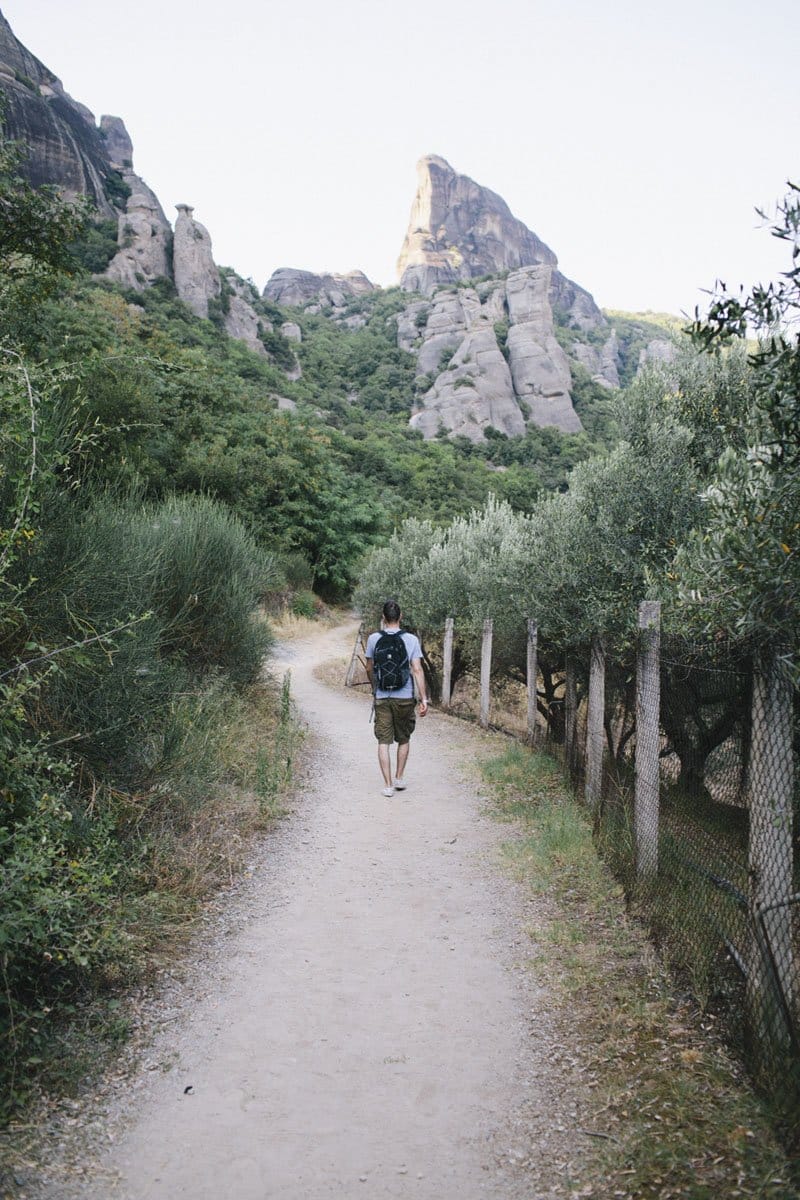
(390, 663)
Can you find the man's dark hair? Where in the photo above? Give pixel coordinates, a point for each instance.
(391, 612)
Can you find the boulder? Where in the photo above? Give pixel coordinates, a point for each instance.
(196, 274)
(291, 331)
(602, 363)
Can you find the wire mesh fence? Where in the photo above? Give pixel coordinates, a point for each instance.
(690, 767)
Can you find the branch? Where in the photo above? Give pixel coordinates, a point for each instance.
(100, 637)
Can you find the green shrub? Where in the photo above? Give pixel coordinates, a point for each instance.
(304, 604)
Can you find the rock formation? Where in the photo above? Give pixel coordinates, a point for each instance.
(460, 230)
(298, 289)
(64, 146)
(493, 358)
(144, 236)
(241, 319)
(196, 274)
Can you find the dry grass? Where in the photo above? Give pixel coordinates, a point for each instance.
(672, 1114)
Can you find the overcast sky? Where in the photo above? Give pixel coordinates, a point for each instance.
(635, 138)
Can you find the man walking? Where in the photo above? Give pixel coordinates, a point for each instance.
(394, 664)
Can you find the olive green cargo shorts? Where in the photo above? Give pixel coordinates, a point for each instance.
(394, 721)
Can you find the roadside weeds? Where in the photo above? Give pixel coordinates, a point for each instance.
(673, 1115)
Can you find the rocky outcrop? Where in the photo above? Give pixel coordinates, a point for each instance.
(297, 289)
(196, 274)
(144, 236)
(539, 367)
(291, 331)
(601, 362)
(240, 318)
(493, 358)
(474, 391)
(118, 144)
(459, 230)
(659, 350)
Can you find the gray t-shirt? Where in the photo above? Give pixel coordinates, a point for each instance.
(414, 652)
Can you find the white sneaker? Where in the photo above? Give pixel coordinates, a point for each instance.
(388, 791)
(400, 784)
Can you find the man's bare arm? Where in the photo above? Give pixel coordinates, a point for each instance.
(419, 679)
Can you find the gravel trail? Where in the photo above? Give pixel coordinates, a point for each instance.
(367, 1026)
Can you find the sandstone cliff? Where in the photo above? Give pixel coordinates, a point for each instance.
(64, 146)
(460, 230)
(298, 289)
(492, 352)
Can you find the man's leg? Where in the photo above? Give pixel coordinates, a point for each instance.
(384, 732)
(402, 759)
(385, 763)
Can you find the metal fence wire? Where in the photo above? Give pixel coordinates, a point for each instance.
(690, 767)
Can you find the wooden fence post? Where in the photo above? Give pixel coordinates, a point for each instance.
(447, 664)
(648, 711)
(357, 657)
(771, 981)
(595, 728)
(533, 667)
(570, 714)
(486, 670)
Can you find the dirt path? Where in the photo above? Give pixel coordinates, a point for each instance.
(368, 1029)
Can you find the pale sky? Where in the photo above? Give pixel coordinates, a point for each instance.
(635, 138)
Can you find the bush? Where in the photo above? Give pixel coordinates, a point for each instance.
(304, 604)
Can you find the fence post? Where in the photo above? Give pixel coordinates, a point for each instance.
(570, 714)
(486, 670)
(533, 667)
(648, 711)
(356, 659)
(771, 982)
(595, 729)
(447, 665)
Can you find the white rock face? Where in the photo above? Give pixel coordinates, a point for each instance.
(539, 367)
(119, 146)
(459, 230)
(474, 383)
(660, 350)
(291, 331)
(241, 320)
(196, 274)
(474, 392)
(297, 288)
(144, 236)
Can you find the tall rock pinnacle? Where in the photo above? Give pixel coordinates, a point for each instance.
(460, 230)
